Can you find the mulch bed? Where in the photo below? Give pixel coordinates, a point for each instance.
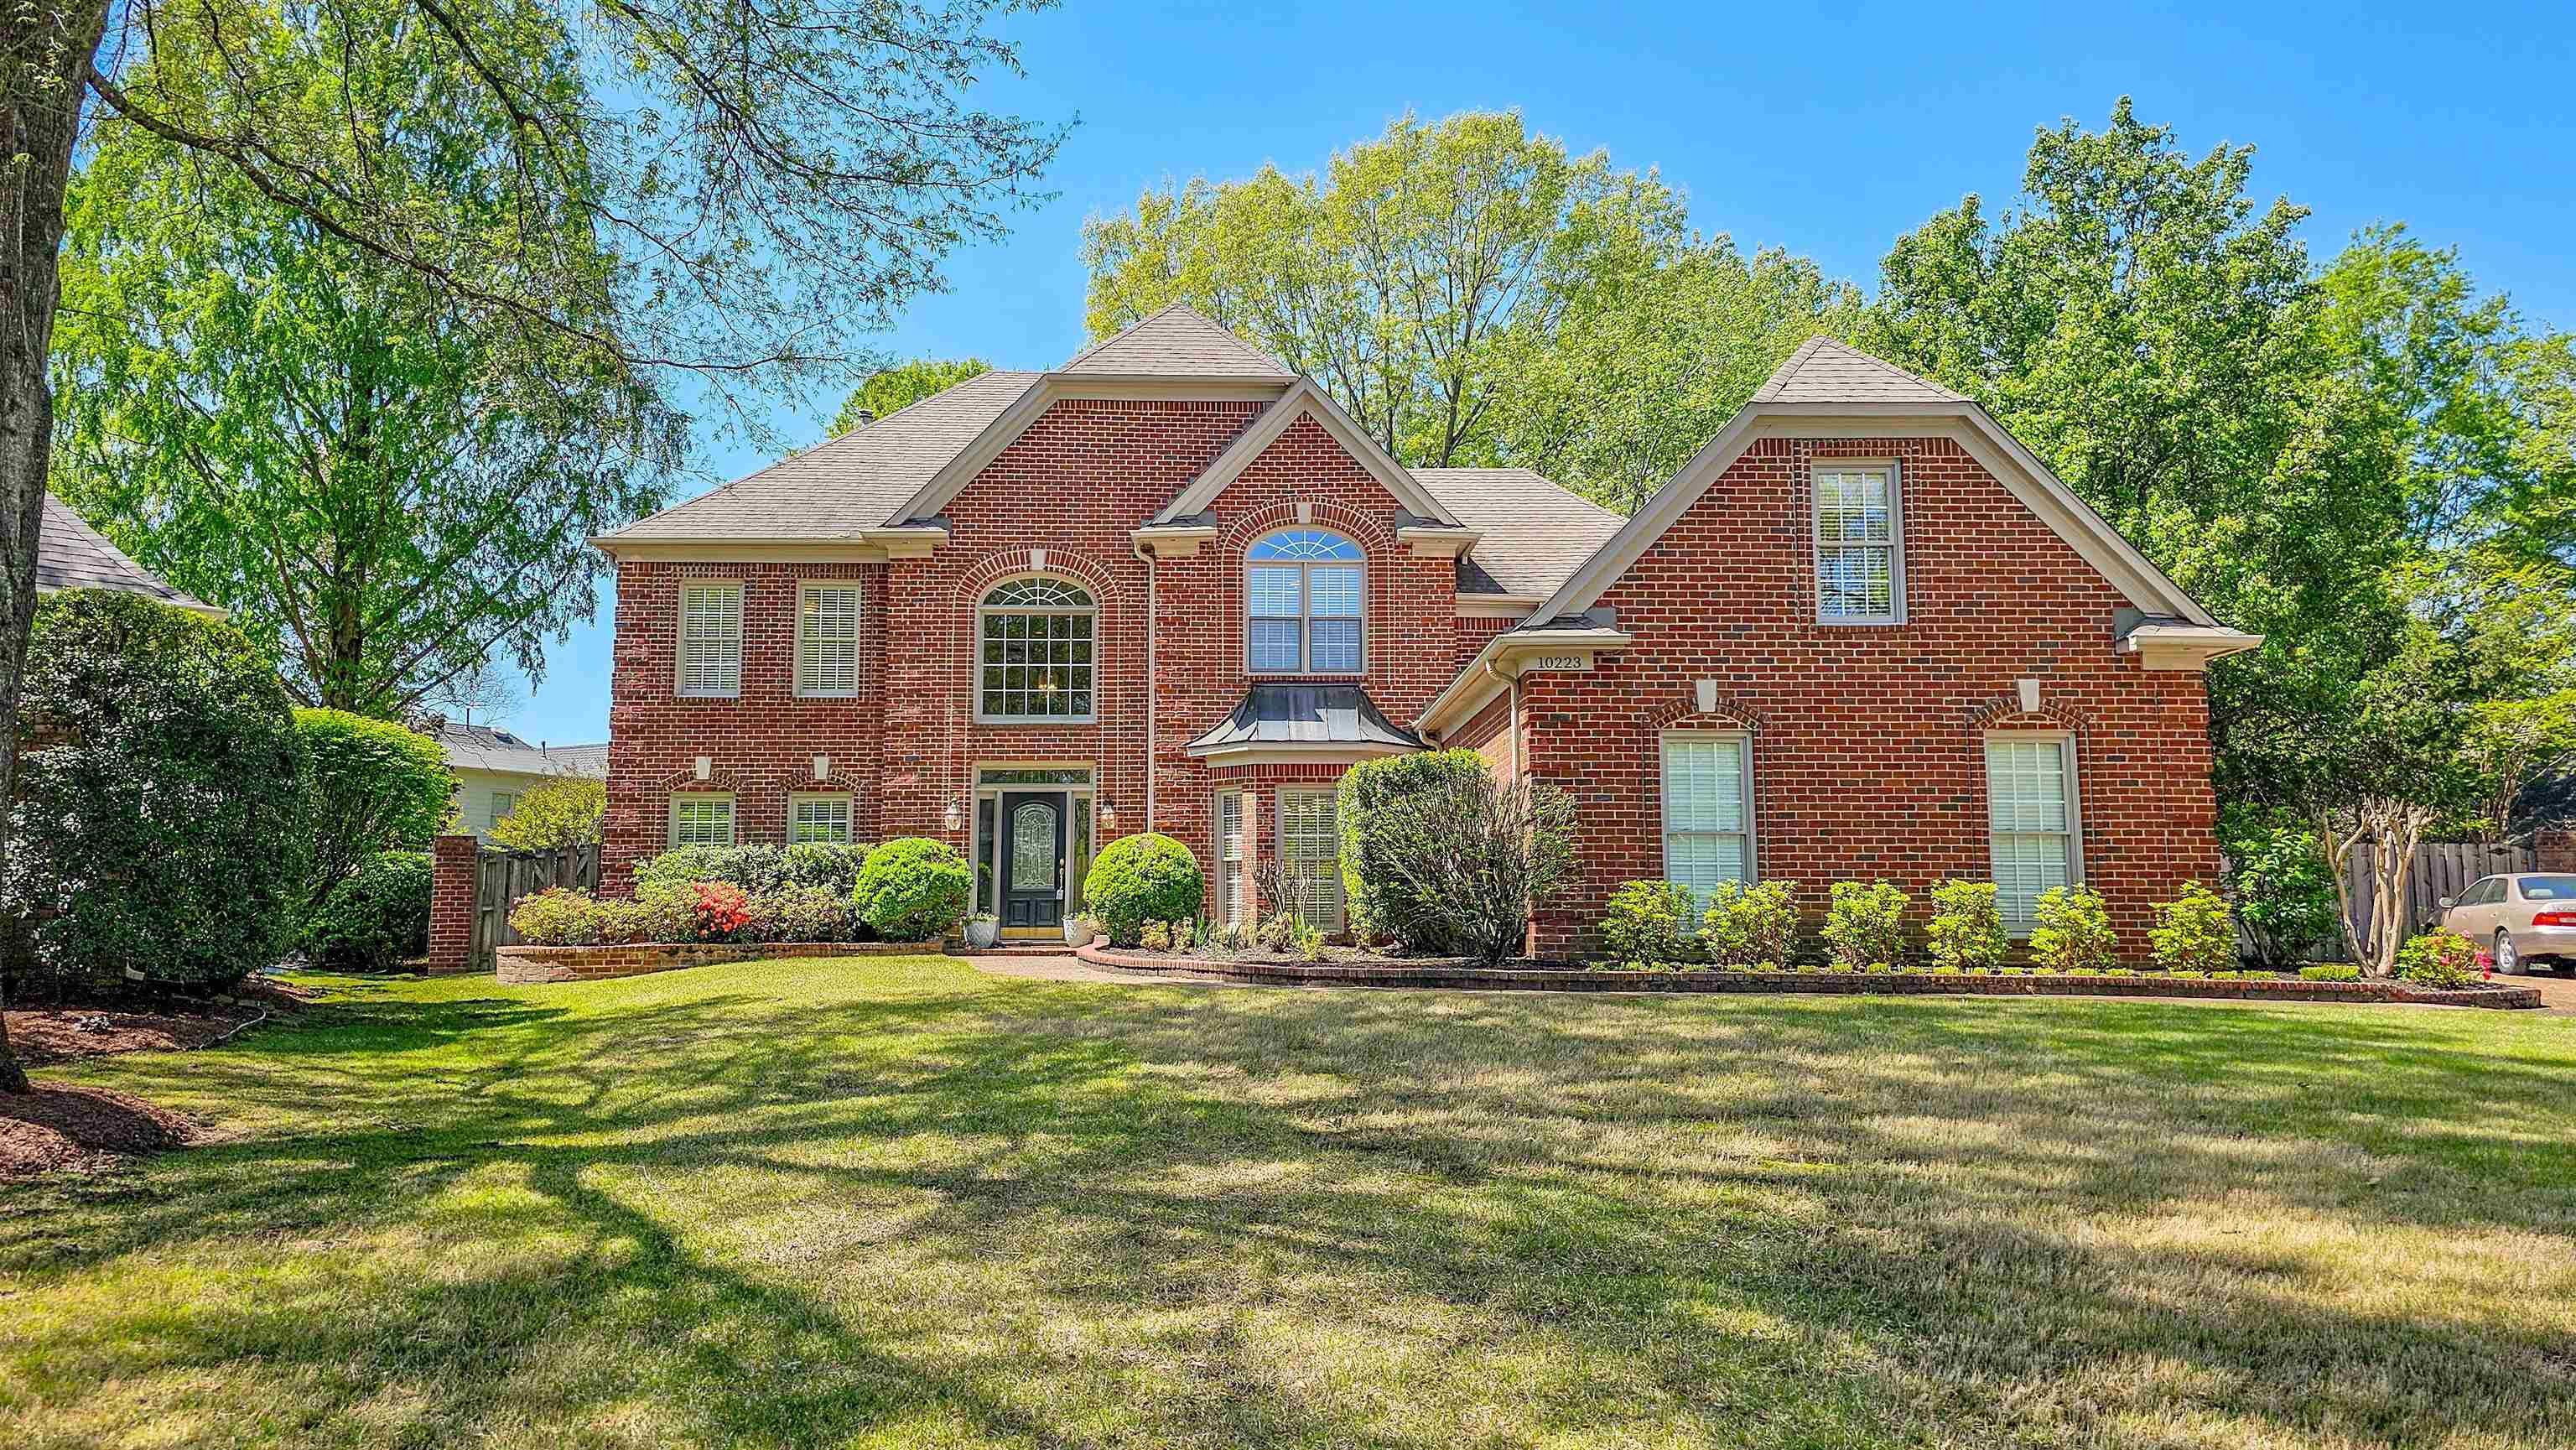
(44, 1035)
(81, 1128)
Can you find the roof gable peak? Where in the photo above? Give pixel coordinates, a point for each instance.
(1826, 370)
(1176, 340)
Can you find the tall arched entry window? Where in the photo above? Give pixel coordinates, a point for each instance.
(1034, 651)
(1303, 593)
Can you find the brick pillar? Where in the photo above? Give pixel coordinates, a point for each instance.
(2556, 850)
(451, 903)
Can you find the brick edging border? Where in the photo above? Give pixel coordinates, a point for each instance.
(523, 966)
(1455, 973)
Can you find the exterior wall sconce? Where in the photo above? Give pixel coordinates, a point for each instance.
(955, 819)
(1109, 814)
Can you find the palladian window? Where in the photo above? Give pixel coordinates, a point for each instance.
(1302, 604)
(1035, 658)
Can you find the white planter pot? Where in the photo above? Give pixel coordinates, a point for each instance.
(1076, 934)
(981, 935)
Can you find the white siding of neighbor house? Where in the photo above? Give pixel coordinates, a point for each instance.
(475, 790)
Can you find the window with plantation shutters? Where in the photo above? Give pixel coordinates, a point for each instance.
(827, 639)
(2030, 819)
(1708, 810)
(701, 818)
(711, 639)
(1310, 854)
(1860, 563)
(1229, 855)
(819, 817)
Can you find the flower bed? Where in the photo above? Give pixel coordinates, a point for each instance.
(1457, 972)
(529, 965)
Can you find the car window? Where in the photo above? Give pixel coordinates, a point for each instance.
(2549, 888)
(2477, 895)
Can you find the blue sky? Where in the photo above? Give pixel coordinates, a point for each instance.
(1827, 132)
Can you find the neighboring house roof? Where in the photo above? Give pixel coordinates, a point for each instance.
(1321, 717)
(1179, 340)
(1825, 371)
(72, 555)
(481, 747)
(1536, 532)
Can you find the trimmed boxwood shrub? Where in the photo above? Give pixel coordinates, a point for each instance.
(162, 824)
(1141, 878)
(375, 918)
(377, 786)
(1378, 901)
(912, 888)
(1646, 922)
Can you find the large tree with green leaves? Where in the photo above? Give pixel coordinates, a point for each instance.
(734, 195)
(897, 388)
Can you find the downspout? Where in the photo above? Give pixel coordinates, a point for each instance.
(1151, 744)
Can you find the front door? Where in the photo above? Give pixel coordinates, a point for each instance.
(1033, 840)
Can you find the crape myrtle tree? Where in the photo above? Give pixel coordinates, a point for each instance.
(729, 194)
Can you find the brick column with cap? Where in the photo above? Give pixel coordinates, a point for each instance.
(451, 903)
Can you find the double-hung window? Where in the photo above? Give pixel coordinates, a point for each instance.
(818, 817)
(710, 639)
(1303, 593)
(2031, 819)
(1708, 809)
(1310, 855)
(1860, 554)
(701, 818)
(827, 639)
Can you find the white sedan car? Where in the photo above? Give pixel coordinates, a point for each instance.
(2526, 920)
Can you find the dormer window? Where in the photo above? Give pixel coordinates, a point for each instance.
(1303, 593)
(1860, 555)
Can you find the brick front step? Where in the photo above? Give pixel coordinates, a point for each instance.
(1452, 973)
(528, 966)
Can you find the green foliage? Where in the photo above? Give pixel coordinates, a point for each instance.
(897, 388)
(913, 889)
(164, 828)
(1865, 925)
(2278, 879)
(377, 786)
(757, 869)
(799, 912)
(1479, 854)
(378, 915)
(2438, 958)
(1155, 936)
(1141, 878)
(1753, 926)
(1650, 921)
(2330, 972)
(2194, 931)
(1967, 927)
(562, 810)
(564, 917)
(2073, 931)
(1378, 899)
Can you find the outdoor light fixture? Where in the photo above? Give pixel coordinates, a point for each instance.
(1108, 814)
(956, 817)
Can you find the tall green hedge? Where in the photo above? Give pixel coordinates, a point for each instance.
(377, 786)
(162, 823)
(377, 916)
(1378, 901)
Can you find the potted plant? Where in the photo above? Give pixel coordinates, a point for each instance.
(983, 930)
(1079, 930)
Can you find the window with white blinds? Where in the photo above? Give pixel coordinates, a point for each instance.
(1860, 567)
(701, 818)
(2030, 819)
(711, 639)
(827, 639)
(1229, 855)
(1708, 810)
(1310, 853)
(819, 818)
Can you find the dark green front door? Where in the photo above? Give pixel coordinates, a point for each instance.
(1033, 840)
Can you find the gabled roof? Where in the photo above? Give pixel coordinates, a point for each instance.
(1178, 340)
(72, 555)
(1825, 371)
(483, 747)
(1305, 399)
(1536, 532)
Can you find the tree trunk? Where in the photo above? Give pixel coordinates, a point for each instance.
(45, 51)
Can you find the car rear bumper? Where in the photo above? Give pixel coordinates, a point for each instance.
(2546, 941)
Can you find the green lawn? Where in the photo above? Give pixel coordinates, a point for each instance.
(892, 1202)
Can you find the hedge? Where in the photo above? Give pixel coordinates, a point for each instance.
(377, 786)
(377, 917)
(1379, 902)
(913, 889)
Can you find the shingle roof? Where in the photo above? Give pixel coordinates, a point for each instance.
(1177, 340)
(1536, 533)
(1306, 715)
(72, 555)
(856, 481)
(481, 747)
(1825, 371)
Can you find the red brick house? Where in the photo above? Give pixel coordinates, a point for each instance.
(1172, 586)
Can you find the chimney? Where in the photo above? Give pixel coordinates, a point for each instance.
(865, 418)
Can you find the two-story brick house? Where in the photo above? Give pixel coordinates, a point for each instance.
(1172, 586)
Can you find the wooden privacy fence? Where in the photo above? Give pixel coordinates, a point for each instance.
(502, 877)
(2442, 868)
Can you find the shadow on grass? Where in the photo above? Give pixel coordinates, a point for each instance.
(1044, 1214)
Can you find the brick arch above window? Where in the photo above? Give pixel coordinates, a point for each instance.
(1730, 713)
(2004, 712)
(979, 579)
(1361, 527)
(719, 778)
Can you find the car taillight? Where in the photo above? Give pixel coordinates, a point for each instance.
(2554, 918)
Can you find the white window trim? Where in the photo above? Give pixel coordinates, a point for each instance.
(1279, 833)
(733, 814)
(1895, 538)
(2067, 762)
(984, 611)
(1231, 876)
(1752, 816)
(680, 653)
(1305, 604)
(805, 589)
(849, 811)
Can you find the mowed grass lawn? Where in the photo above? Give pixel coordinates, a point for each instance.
(895, 1202)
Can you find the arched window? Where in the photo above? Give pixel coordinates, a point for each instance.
(1035, 651)
(1302, 594)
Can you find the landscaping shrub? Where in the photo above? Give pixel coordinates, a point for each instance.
(1479, 854)
(1650, 921)
(563, 810)
(1142, 878)
(797, 912)
(377, 786)
(1967, 927)
(2331, 972)
(913, 889)
(376, 917)
(163, 823)
(1381, 901)
(2194, 931)
(2281, 884)
(2073, 933)
(1865, 925)
(1753, 925)
(719, 911)
(758, 870)
(1155, 936)
(559, 916)
(2438, 958)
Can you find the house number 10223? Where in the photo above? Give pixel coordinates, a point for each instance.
(1557, 664)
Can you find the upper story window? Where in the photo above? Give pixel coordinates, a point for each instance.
(1302, 594)
(1035, 661)
(711, 639)
(1860, 556)
(827, 639)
